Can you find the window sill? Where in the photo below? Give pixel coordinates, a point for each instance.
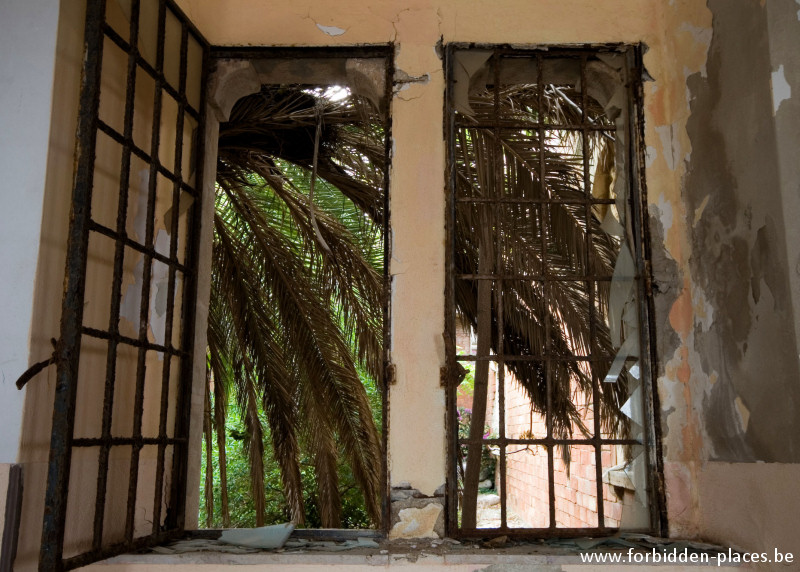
(465, 557)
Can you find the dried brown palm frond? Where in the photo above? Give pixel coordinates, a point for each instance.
(296, 299)
(293, 319)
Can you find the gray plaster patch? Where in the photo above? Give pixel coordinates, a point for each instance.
(781, 90)
(331, 30)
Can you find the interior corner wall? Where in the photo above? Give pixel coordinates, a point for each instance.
(28, 44)
(55, 178)
(731, 393)
(726, 330)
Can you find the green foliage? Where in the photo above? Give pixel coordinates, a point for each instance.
(243, 511)
(295, 328)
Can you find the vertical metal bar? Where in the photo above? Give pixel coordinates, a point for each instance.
(450, 307)
(647, 352)
(68, 351)
(116, 287)
(590, 271)
(545, 213)
(144, 309)
(173, 252)
(499, 270)
(386, 294)
(176, 517)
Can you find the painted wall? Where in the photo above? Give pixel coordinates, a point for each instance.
(730, 393)
(417, 184)
(28, 45)
(722, 177)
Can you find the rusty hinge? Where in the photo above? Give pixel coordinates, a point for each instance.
(445, 374)
(31, 372)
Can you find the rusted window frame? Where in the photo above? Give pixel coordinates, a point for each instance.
(62, 443)
(648, 357)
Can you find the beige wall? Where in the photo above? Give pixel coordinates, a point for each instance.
(34, 448)
(678, 35)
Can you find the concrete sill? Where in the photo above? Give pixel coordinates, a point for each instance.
(520, 558)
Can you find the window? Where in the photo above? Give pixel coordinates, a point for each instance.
(299, 292)
(549, 408)
(119, 446)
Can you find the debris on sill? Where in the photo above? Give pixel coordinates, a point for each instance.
(264, 537)
(414, 549)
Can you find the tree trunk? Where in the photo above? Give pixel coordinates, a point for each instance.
(219, 421)
(209, 486)
(478, 420)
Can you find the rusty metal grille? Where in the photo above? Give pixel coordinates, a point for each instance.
(117, 470)
(547, 305)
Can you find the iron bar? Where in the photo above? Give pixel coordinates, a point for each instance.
(147, 274)
(118, 441)
(144, 156)
(57, 491)
(151, 252)
(158, 499)
(179, 96)
(176, 516)
(116, 286)
(145, 345)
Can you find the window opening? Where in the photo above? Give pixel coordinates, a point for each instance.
(117, 473)
(550, 418)
(298, 312)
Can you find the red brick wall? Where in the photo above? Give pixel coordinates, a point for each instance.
(526, 477)
(526, 467)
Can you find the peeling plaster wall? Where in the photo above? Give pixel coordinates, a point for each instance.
(724, 319)
(738, 263)
(722, 179)
(729, 388)
(675, 33)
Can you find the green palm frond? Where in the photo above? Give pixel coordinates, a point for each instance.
(298, 289)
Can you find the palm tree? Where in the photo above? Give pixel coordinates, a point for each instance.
(298, 292)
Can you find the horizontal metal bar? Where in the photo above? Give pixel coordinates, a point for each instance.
(544, 52)
(530, 533)
(103, 335)
(536, 358)
(144, 156)
(512, 124)
(536, 277)
(119, 441)
(151, 71)
(119, 548)
(105, 231)
(593, 441)
(529, 200)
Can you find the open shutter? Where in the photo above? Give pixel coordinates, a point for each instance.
(117, 469)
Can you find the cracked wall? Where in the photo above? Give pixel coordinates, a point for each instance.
(708, 264)
(723, 192)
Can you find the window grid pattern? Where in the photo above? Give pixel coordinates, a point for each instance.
(544, 276)
(142, 78)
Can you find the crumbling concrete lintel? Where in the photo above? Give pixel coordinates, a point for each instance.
(231, 81)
